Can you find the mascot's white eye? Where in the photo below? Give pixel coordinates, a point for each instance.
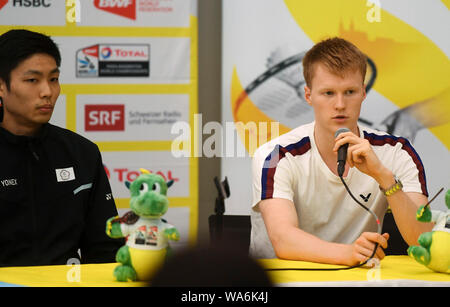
(143, 188)
(156, 187)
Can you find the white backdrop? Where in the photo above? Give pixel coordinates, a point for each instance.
(257, 33)
(151, 49)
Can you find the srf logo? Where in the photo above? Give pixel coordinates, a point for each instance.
(104, 117)
(124, 8)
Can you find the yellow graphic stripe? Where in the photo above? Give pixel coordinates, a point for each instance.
(174, 202)
(127, 89)
(135, 146)
(193, 109)
(71, 106)
(73, 30)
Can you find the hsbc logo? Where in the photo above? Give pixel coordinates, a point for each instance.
(104, 117)
(27, 3)
(124, 8)
(31, 3)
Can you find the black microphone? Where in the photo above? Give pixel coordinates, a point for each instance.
(342, 153)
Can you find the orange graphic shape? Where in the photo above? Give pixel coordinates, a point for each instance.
(253, 126)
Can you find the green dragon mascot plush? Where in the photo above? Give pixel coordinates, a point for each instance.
(434, 249)
(147, 234)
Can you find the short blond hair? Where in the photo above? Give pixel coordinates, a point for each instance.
(338, 55)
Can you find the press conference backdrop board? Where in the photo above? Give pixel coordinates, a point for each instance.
(406, 41)
(128, 73)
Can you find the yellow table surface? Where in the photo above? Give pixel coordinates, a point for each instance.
(390, 268)
(91, 275)
(100, 275)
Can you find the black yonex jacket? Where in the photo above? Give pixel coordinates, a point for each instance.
(55, 199)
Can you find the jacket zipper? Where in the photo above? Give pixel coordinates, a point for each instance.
(34, 235)
(33, 151)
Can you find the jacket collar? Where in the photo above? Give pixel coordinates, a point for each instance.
(22, 139)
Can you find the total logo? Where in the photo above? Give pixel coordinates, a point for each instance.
(113, 60)
(124, 52)
(106, 52)
(124, 174)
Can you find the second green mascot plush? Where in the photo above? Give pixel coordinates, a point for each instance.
(434, 249)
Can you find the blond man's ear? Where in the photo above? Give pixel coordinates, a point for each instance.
(308, 95)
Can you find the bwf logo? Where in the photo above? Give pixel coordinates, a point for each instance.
(124, 8)
(104, 117)
(3, 3)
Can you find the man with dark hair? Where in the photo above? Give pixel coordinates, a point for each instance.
(55, 196)
(301, 210)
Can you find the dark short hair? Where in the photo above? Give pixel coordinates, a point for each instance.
(337, 54)
(18, 45)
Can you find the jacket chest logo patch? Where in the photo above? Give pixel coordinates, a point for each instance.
(8, 182)
(365, 198)
(65, 174)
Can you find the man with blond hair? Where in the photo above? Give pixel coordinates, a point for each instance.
(300, 209)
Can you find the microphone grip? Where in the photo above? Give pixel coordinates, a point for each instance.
(342, 157)
(342, 152)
